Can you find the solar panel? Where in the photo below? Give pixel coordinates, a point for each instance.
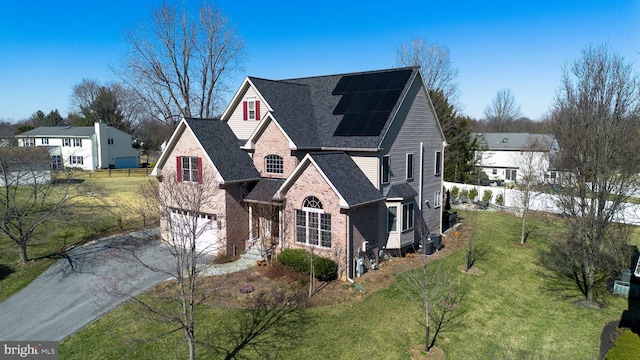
(367, 100)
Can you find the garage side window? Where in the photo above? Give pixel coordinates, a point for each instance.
(189, 169)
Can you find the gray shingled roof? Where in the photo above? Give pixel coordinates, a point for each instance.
(30, 158)
(221, 145)
(400, 190)
(304, 108)
(265, 189)
(515, 141)
(60, 131)
(348, 179)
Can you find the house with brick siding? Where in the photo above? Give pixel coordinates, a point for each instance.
(348, 166)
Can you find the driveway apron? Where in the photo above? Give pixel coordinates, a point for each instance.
(90, 281)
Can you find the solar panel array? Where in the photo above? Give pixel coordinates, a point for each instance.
(367, 101)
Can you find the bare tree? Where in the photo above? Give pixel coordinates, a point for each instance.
(435, 62)
(437, 295)
(30, 194)
(531, 167)
(179, 62)
(502, 111)
(595, 122)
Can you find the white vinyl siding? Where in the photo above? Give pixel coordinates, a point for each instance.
(241, 128)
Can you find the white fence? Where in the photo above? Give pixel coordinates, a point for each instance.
(540, 201)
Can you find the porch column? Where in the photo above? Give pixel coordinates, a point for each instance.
(281, 227)
(251, 223)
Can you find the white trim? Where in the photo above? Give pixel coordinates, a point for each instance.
(262, 126)
(237, 98)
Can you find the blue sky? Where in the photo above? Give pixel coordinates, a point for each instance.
(47, 47)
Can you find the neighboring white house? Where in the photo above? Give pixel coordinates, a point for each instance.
(502, 155)
(87, 147)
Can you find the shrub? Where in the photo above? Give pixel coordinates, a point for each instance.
(487, 195)
(626, 347)
(325, 269)
(454, 192)
(464, 193)
(473, 193)
(500, 200)
(297, 259)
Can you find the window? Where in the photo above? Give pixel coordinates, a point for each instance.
(385, 169)
(56, 162)
(407, 216)
(494, 171)
(251, 110)
(76, 160)
(189, 169)
(273, 164)
(511, 174)
(313, 226)
(438, 161)
(437, 199)
(45, 141)
(409, 166)
(29, 142)
(66, 142)
(392, 219)
(77, 142)
(110, 141)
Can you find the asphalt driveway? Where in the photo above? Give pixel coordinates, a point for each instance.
(76, 290)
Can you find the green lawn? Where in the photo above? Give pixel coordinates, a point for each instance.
(80, 224)
(509, 314)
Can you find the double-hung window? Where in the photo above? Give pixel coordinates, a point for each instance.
(45, 141)
(392, 219)
(437, 199)
(409, 166)
(29, 142)
(407, 216)
(76, 160)
(77, 142)
(313, 226)
(438, 163)
(189, 169)
(66, 142)
(385, 169)
(251, 110)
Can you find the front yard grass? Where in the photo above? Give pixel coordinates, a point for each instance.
(52, 238)
(509, 314)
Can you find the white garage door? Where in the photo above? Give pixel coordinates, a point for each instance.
(206, 230)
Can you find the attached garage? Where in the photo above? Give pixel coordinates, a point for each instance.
(185, 226)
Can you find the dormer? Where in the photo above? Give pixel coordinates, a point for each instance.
(246, 110)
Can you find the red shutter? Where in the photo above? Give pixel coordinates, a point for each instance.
(200, 170)
(257, 110)
(178, 168)
(245, 111)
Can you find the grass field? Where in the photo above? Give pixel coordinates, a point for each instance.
(508, 315)
(50, 239)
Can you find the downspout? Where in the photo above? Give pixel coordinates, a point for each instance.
(348, 262)
(420, 195)
(251, 224)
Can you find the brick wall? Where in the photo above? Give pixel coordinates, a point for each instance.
(311, 183)
(272, 141)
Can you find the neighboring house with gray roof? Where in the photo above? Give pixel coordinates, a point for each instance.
(29, 166)
(502, 155)
(343, 165)
(86, 147)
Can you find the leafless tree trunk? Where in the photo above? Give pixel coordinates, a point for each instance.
(502, 111)
(180, 62)
(595, 122)
(30, 194)
(531, 168)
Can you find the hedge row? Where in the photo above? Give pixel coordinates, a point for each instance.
(298, 259)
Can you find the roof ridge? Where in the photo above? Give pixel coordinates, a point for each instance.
(354, 73)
